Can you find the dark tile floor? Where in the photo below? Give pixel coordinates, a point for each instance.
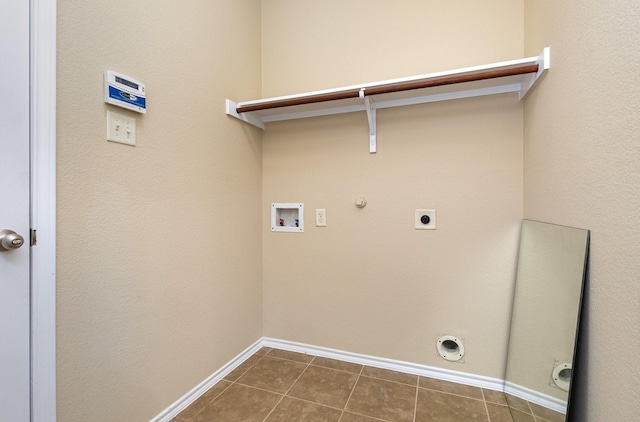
(277, 385)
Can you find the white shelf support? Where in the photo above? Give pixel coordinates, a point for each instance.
(245, 117)
(543, 62)
(518, 76)
(371, 116)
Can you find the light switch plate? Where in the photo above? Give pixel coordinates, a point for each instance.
(121, 128)
(430, 216)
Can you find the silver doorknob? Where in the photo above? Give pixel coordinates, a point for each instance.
(10, 240)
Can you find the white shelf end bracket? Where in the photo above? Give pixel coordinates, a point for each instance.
(543, 61)
(245, 117)
(370, 107)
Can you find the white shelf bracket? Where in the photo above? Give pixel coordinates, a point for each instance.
(370, 107)
(245, 117)
(514, 76)
(543, 62)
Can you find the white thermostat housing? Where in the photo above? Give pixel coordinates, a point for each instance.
(124, 91)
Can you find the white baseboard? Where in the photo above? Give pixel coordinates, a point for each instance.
(184, 401)
(394, 365)
(536, 397)
(377, 362)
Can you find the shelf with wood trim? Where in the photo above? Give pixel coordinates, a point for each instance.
(515, 76)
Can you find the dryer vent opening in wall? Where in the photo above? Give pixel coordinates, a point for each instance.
(561, 376)
(450, 348)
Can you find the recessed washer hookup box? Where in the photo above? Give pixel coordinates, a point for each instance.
(124, 91)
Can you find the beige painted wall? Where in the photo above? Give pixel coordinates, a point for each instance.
(311, 45)
(582, 155)
(159, 253)
(141, 322)
(368, 282)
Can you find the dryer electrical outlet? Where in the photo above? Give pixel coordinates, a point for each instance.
(425, 219)
(121, 128)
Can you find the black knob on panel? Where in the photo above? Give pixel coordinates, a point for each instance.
(425, 219)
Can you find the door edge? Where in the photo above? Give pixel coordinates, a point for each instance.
(43, 210)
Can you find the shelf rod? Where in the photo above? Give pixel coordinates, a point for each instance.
(451, 80)
(396, 87)
(311, 99)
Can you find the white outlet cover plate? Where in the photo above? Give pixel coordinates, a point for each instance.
(432, 219)
(121, 128)
(321, 217)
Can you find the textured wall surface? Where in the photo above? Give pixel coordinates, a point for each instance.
(311, 45)
(159, 246)
(369, 282)
(159, 268)
(582, 168)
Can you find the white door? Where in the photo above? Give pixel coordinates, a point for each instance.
(14, 211)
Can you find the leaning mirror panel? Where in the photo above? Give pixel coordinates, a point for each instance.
(548, 294)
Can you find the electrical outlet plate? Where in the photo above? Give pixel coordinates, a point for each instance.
(121, 128)
(431, 225)
(321, 217)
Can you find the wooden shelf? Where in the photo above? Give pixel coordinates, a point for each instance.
(517, 76)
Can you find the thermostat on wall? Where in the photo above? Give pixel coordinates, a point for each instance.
(123, 91)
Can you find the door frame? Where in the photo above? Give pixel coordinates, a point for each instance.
(43, 209)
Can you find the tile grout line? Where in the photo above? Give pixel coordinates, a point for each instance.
(486, 408)
(335, 369)
(239, 383)
(415, 405)
(310, 363)
(373, 418)
(253, 387)
(344, 370)
(454, 394)
(260, 357)
(531, 410)
(290, 387)
(311, 402)
(212, 400)
(332, 369)
(360, 374)
(387, 380)
(344, 408)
